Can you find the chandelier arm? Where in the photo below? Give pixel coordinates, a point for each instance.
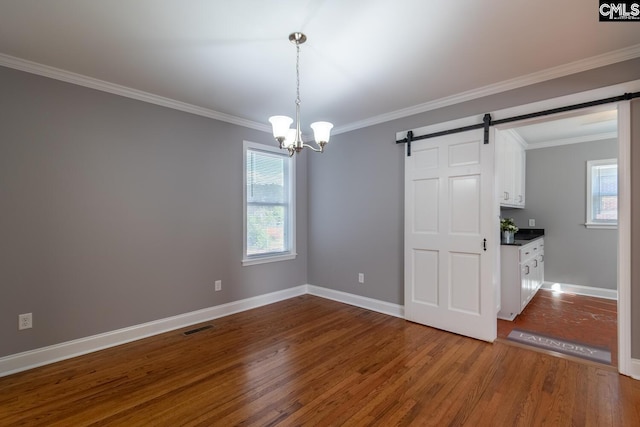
(317, 150)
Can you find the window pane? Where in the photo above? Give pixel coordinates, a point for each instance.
(604, 193)
(269, 204)
(266, 227)
(265, 178)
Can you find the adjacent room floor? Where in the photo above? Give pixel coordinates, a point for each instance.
(587, 320)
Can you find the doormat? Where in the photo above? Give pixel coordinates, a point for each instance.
(595, 354)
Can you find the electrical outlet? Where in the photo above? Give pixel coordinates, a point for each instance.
(360, 277)
(532, 223)
(25, 321)
(218, 285)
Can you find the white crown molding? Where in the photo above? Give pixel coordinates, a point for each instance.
(573, 140)
(104, 86)
(547, 104)
(605, 59)
(517, 137)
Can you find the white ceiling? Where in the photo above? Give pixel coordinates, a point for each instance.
(365, 61)
(592, 125)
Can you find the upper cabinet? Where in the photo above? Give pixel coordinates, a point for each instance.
(511, 158)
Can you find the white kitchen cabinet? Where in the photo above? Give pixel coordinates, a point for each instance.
(522, 274)
(511, 158)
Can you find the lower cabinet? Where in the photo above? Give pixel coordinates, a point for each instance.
(522, 274)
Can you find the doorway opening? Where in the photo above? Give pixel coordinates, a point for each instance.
(576, 211)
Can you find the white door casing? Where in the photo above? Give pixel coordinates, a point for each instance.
(449, 212)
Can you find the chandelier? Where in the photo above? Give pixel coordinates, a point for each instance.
(291, 139)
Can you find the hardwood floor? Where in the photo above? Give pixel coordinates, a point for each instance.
(587, 320)
(311, 361)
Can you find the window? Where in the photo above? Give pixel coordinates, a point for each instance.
(602, 193)
(269, 206)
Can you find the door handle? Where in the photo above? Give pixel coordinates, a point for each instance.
(536, 261)
(484, 244)
(527, 267)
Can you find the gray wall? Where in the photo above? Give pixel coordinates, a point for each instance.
(115, 212)
(556, 199)
(356, 198)
(356, 216)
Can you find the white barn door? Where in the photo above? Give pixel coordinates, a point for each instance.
(450, 210)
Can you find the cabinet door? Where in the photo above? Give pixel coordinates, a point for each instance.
(502, 157)
(519, 162)
(511, 168)
(535, 276)
(525, 284)
(541, 261)
(509, 173)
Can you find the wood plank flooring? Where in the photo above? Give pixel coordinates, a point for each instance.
(309, 361)
(587, 320)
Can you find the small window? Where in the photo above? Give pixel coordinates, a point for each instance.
(269, 207)
(602, 193)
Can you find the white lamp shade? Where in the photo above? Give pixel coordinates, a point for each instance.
(280, 125)
(321, 131)
(291, 137)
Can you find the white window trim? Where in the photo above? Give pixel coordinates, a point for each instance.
(267, 258)
(589, 223)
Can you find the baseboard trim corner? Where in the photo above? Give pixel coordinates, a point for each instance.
(54, 353)
(379, 306)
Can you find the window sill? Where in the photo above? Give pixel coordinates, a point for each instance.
(268, 258)
(601, 226)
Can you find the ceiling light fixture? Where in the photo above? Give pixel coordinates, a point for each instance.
(291, 139)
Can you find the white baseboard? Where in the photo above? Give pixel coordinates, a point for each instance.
(357, 300)
(582, 290)
(66, 350)
(46, 355)
(635, 369)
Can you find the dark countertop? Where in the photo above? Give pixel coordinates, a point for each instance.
(520, 242)
(525, 236)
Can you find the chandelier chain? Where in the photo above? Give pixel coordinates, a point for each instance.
(297, 74)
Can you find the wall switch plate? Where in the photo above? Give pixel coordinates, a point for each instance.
(360, 277)
(218, 285)
(25, 321)
(532, 223)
